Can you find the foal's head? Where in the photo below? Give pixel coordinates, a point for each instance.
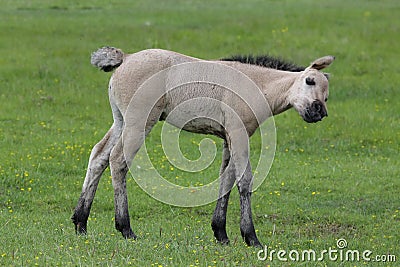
(310, 91)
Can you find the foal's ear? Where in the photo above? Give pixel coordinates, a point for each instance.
(322, 62)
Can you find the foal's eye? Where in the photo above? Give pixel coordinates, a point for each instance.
(326, 99)
(310, 81)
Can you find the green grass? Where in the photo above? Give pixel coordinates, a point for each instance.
(331, 180)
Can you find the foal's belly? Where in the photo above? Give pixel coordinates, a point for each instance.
(200, 125)
(204, 126)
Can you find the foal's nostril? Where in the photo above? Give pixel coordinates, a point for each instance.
(317, 106)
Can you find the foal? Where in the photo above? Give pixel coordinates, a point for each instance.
(229, 115)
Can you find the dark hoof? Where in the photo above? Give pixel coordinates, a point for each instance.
(254, 243)
(223, 242)
(251, 239)
(128, 234)
(80, 225)
(80, 228)
(221, 236)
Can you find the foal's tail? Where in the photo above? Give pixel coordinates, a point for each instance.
(107, 58)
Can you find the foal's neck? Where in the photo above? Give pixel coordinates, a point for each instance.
(276, 90)
(275, 85)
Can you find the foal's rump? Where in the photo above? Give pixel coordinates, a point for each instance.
(138, 68)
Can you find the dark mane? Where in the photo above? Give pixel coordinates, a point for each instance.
(266, 61)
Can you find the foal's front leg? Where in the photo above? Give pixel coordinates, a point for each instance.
(246, 220)
(227, 178)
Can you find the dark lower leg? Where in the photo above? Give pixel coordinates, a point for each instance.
(227, 177)
(246, 221)
(122, 221)
(81, 215)
(98, 162)
(218, 223)
(82, 209)
(119, 170)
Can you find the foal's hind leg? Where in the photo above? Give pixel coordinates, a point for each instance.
(98, 162)
(227, 177)
(120, 160)
(119, 169)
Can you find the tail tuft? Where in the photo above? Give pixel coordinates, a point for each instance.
(107, 58)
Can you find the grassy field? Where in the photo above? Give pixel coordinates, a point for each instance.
(331, 180)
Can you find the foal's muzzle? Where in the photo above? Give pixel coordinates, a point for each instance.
(315, 112)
